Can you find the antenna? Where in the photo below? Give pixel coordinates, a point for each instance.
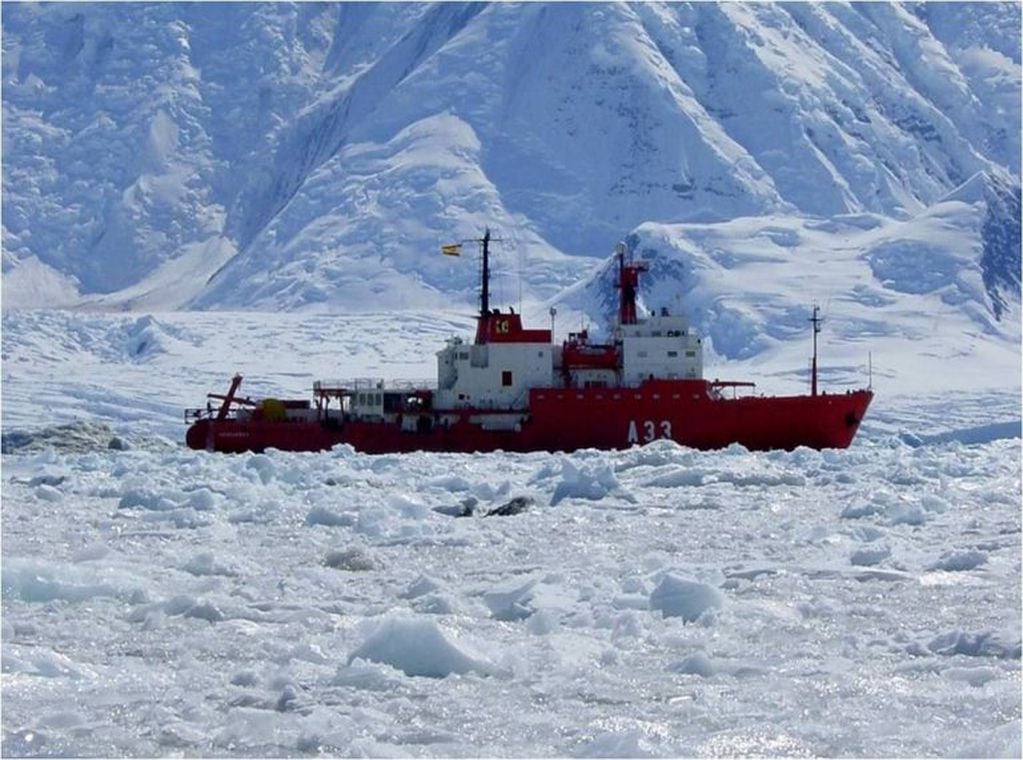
(553, 313)
(485, 242)
(816, 321)
(485, 274)
(455, 249)
(484, 318)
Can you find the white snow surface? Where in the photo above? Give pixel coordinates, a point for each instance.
(179, 602)
(657, 601)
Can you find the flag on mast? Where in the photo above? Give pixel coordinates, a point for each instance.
(452, 249)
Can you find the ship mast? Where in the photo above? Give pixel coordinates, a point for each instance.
(815, 320)
(484, 318)
(485, 276)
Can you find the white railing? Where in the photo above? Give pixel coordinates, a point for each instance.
(372, 383)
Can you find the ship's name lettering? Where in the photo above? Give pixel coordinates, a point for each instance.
(646, 430)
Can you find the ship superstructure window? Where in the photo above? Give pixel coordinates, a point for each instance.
(463, 355)
(673, 353)
(506, 378)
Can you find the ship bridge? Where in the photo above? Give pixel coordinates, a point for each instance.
(498, 369)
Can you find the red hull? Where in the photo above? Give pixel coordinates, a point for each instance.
(569, 419)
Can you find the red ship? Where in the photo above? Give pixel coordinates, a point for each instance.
(513, 389)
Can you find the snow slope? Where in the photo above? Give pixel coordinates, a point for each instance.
(300, 149)
(918, 295)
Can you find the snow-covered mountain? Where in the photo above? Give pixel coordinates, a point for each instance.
(294, 156)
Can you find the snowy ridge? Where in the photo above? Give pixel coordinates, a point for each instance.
(312, 147)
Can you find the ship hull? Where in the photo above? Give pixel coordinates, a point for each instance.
(569, 419)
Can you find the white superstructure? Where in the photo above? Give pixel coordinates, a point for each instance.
(662, 347)
(491, 375)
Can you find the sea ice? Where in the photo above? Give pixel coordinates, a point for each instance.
(679, 596)
(418, 647)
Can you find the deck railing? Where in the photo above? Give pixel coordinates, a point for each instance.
(371, 383)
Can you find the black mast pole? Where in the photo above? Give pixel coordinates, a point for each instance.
(816, 321)
(485, 294)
